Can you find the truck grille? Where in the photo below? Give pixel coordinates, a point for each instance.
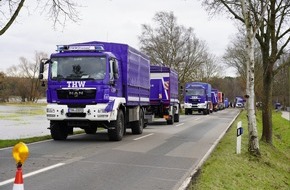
(76, 93)
(76, 114)
(193, 100)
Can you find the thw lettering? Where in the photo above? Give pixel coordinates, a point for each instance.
(76, 84)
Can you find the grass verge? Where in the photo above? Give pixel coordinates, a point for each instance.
(224, 169)
(12, 142)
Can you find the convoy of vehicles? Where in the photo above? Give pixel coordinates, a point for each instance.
(113, 86)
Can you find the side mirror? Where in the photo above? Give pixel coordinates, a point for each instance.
(41, 67)
(115, 69)
(40, 76)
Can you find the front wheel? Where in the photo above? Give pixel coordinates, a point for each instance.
(58, 130)
(117, 133)
(170, 121)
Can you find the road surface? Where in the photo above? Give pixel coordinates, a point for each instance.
(163, 157)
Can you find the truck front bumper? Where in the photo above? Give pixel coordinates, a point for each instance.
(195, 107)
(89, 112)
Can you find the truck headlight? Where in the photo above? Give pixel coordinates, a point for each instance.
(50, 110)
(101, 111)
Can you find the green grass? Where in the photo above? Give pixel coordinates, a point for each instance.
(37, 109)
(10, 143)
(226, 170)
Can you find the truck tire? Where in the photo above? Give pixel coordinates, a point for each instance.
(58, 130)
(170, 121)
(186, 111)
(176, 117)
(117, 133)
(137, 126)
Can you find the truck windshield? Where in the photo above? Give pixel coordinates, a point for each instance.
(195, 92)
(78, 68)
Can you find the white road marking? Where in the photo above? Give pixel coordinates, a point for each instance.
(143, 137)
(32, 173)
(179, 124)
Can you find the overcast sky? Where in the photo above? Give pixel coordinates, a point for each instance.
(109, 20)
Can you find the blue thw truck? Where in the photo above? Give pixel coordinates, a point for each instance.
(164, 101)
(97, 85)
(197, 97)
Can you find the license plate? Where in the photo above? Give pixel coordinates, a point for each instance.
(75, 110)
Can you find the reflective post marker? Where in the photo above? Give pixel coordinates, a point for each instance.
(239, 137)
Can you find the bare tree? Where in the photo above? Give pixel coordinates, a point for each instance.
(175, 46)
(58, 10)
(27, 72)
(210, 68)
(281, 83)
(3, 88)
(235, 57)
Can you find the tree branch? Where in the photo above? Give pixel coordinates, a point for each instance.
(12, 19)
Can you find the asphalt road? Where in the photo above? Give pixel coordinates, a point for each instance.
(163, 157)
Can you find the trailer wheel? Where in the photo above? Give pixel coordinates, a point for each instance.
(137, 126)
(116, 134)
(58, 130)
(176, 117)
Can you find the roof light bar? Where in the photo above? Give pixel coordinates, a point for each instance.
(97, 48)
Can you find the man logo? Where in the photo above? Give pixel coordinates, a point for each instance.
(76, 94)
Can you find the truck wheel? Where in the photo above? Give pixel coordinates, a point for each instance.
(116, 134)
(137, 126)
(90, 130)
(58, 130)
(186, 111)
(170, 121)
(176, 117)
(204, 112)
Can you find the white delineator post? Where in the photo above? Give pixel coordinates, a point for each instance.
(239, 137)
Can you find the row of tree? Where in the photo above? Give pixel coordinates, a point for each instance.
(22, 81)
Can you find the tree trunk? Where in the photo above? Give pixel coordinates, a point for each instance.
(267, 105)
(253, 145)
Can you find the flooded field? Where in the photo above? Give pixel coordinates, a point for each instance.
(21, 121)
